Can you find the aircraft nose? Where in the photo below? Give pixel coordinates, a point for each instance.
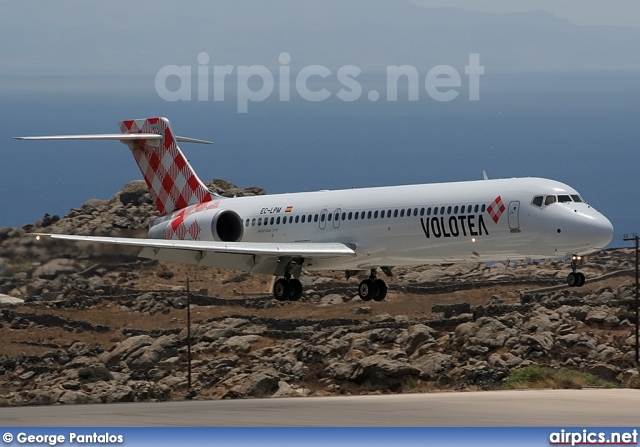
(602, 231)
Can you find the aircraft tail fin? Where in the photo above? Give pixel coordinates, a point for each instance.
(171, 179)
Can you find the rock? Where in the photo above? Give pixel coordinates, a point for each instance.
(126, 350)
(286, 390)
(382, 373)
(241, 343)
(417, 334)
(163, 347)
(258, 384)
(135, 193)
(597, 316)
(330, 300)
(434, 365)
(364, 310)
(604, 371)
(10, 301)
(54, 268)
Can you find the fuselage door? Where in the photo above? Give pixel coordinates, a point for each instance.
(336, 218)
(514, 216)
(323, 219)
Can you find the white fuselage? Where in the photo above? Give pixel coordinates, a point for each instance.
(414, 224)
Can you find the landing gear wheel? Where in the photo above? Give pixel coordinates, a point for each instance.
(581, 279)
(367, 290)
(382, 290)
(282, 289)
(573, 279)
(295, 292)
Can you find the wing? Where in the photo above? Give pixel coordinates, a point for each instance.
(256, 257)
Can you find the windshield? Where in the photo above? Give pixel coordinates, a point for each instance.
(549, 199)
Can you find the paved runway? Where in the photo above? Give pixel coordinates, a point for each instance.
(558, 408)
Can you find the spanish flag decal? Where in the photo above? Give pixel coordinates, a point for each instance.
(288, 209)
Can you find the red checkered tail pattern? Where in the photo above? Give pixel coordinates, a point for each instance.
(172, 181)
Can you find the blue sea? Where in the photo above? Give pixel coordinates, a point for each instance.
(581, 128)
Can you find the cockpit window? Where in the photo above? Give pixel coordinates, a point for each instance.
(576, 198)
(549, 200)
(537, 201)
(564, 198)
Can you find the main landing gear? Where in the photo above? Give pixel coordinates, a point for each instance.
(372, 288)
(575, 279)
(289, 288)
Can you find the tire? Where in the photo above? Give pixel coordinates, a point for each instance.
(295, 292)
(367, 290)
(572, 279)
(382, 290)
(581, 279)
(282, 290)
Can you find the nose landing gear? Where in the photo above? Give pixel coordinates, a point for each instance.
(575, 279)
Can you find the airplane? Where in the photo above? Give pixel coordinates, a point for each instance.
(354, 230)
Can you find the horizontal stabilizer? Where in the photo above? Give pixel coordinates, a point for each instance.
(114, 136)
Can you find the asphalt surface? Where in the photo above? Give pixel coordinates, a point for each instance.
(531, 408)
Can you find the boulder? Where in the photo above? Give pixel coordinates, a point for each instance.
(54, 268)
(126, 350)
(10, 301)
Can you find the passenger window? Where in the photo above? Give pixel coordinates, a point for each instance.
(375, 214)
(395, 213)
(429, 211)
(303, 218)
(537, 201)
(278, 221)
(356, 215)
(246, 224)
(476, 208)
(260, 221)
(421, 211)
(329, 216)
(442, 210)
(315, 218)
(435, 211)
(290, 219)
(401, 213)
(369, 215)
(297, 219)
(455, 210)
(253, 222)
(448, 210)
(344, 215)
(470, 209)
(389, 213)
(322, 218)
(549, 200)
(272, 220)
(564, 198)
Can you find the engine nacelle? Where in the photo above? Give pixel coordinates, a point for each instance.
(207, 225)
(226, 226)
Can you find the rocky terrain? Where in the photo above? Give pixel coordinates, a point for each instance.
(91, 323)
